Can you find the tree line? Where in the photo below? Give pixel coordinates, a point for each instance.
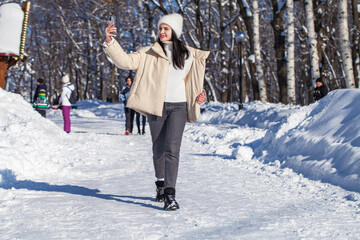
(287, 45)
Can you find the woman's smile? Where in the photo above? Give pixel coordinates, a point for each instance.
(165, 32)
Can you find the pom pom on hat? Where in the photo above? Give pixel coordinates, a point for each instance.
(65, 79)
(175, 21)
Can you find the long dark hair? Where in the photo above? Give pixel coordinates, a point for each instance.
(180, 51)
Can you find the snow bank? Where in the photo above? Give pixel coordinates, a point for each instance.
(320, 141)
(94, 108)
(255, 114)
(33, 147)
(28, 142)
(102, 109)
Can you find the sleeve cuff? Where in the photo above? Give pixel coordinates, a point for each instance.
(105, 44)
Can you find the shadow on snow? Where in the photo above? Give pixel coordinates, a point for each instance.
(8, 181)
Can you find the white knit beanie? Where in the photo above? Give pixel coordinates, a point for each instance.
(65, 79)
(175, 21)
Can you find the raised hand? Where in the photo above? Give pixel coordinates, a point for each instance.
(110, 32)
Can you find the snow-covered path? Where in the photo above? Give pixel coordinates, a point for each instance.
(105, 190)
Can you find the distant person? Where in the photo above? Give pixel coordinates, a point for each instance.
(168, 88)
(40, 102)
(137, 117)
(321, 89)
(129, 113)
(64, 101)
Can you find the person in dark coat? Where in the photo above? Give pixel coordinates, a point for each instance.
(321, 89)
(137, 117)
(40, 102)
(129, 113)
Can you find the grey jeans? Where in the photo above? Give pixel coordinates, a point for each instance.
(166, 133)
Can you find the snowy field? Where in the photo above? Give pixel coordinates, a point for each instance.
(267, 172)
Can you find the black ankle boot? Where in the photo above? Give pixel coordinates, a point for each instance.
(169, 199)
(159, 191)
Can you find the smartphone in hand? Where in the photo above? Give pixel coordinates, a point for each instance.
(112, 20)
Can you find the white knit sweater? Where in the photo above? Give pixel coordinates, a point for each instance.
(175, 89)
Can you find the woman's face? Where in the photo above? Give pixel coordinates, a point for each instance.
(164, 32)
(128, 81)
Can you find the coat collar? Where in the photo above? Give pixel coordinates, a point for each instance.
(158, 50)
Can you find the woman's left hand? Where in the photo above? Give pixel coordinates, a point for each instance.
(201, 98)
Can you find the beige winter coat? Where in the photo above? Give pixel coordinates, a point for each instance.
(148, 91)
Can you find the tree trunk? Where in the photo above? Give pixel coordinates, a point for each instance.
(249, 22)
(257, 51)
(279, 26)
(291, 83)
(356, 41)
(101, 77)
(314, 55)
(345, 44)
(113, 96)
(150, 21)
(223, 79)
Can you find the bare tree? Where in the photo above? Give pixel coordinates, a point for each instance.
(257, 51)
(312, 42)
(345, 44)
(291, 83)
(247, 17)
(278, 24)
(356, 40)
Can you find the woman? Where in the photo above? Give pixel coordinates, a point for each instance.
(64, 101)
(129, 113)
(168, 89)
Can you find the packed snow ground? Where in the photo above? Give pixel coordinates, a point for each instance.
(269, 171)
